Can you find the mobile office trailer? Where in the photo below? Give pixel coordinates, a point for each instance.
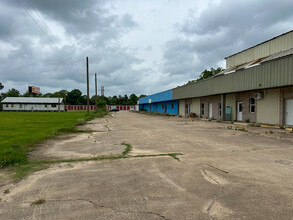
(33, 104)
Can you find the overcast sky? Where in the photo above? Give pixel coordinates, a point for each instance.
(140, 47)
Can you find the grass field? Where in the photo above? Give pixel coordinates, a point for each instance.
(20, 131)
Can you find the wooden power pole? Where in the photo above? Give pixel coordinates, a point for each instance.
(96, 90)
(87, 86)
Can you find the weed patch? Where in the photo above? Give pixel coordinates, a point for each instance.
(38, 202)
(242, 129)
(127, 149)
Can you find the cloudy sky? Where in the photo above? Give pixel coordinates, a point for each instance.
(140, 47)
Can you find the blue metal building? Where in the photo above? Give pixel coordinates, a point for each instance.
(160, 102)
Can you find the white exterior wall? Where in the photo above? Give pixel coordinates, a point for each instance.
(31, 107)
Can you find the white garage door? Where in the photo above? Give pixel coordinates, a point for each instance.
(289, 112)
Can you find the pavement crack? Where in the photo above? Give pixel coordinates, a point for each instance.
(210, 177)
(209, 209)
(109, 207)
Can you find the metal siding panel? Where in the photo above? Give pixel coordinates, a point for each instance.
(274, 73)
(276, 45)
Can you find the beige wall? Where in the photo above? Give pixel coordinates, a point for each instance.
(281, 43)
(196, 106)
(231, 101)
(182, 107)
(268, 107)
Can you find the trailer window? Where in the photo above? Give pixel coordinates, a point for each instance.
(7, 105)
(54, 106)
(12, 105)
(20, 105)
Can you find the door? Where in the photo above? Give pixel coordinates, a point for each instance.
(239, 111)
(165, 108)
(210, 110)
(186, 109)
(289, 112)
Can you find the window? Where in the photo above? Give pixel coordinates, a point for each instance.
(252, 105)
(220, 109)
(202, 108)
(172, 106)
(45, 106)
(54, 106)
(7, 105)
(12, 105)
(162, 106)
(20, 105)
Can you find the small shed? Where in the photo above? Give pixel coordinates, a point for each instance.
(33, 104)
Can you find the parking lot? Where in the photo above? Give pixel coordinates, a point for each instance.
(177, 169)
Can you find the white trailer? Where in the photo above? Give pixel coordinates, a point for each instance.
(33, 104)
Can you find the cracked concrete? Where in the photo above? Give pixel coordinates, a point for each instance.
(258, 184)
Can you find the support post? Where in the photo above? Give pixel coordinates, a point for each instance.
(223, 106)
(96, 91)
(87, 87)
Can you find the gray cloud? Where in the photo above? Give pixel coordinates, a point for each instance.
(39, 59)
(222, 29)
(156, 59)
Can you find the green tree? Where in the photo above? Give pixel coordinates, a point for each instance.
(11, 93)
(1, 86)
(113, 100)
(133, 99)
(141, 96)
(125, 100)
(207, 74)
(48, 95)
(74, 97)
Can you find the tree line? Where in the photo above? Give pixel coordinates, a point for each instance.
(75, 97)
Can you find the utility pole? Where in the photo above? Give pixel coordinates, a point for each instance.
(96, 90)
(102, 92)
(87, 86)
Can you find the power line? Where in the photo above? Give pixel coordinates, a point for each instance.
(51, 36)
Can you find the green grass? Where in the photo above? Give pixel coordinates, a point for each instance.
(127, 149)
(20, 131)
(23, 170)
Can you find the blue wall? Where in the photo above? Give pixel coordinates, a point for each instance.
(158, 97)
(158, 107)
(158, 103)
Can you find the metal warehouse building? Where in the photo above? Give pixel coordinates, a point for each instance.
(257, 86)
(33, 104)
(160, 102)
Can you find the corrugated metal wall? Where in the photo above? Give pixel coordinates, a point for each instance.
(158, 97)
(271, 74)
(160, 107)
(281, 43)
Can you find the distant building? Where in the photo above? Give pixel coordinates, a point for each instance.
(33, 104)
(160, 102)
(257, 87)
